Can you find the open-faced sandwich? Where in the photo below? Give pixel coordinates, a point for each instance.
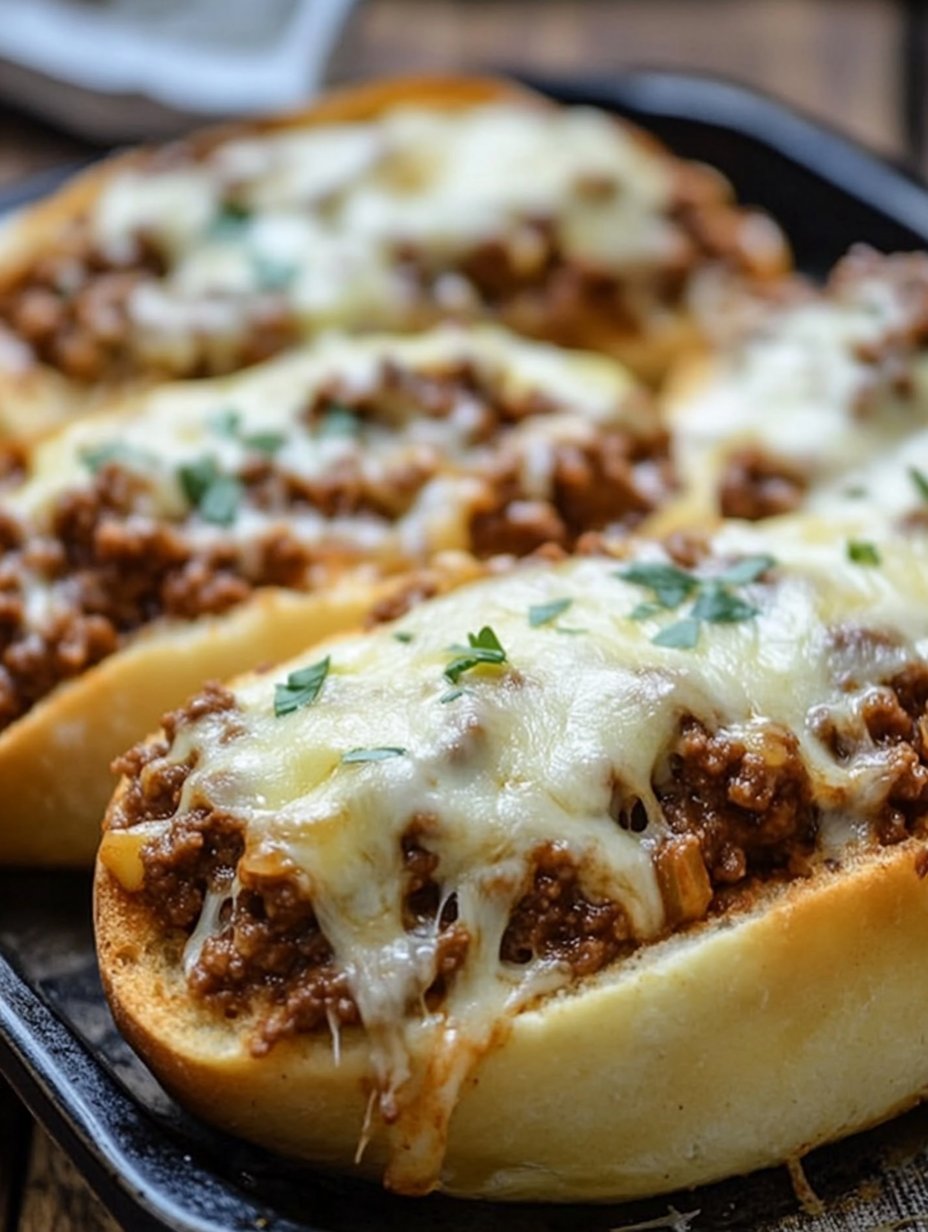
(383, 207)
(822, 403)
(208, 526)
(597, 879)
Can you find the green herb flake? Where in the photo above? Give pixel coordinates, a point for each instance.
(720, 606)
(229, 222)
(302, 688)
(544, 613)
(747, 570)
(403, 635)
(484, 648)
(920, 480)
(570, 631)
(644, 610)
(95, 457)
(381, 754)
(451, 696)
(215, 496)
(197, 477)
(682, 635)
(220, 501)
(669, 584)
(863, 553)
(272, 275)
(338, 421)
(225, 422)
(264, 442)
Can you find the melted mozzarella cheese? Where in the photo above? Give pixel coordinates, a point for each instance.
(321, 213)
(179, 425)
(884, 494)
(528, 752)
(176, 424)
(802, 390)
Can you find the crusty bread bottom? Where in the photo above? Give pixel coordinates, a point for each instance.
(739, 1045)
(54, 781)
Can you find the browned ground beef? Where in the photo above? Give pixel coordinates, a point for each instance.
(755, 485)
(741, 817)
(114, 569)
(71, 305)
(554, 919)
(750, 810)
(604, 483)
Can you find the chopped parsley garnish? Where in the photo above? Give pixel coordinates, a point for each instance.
(569, 630)
(451, 696)
(214, 495)
(544, 613)
(920, 479)
(229, 222)
(381, 754)
(302, 688)
(863, 553)
(669, 584)
(483, 647)
(226, 422)
(714, 600)
(272, 275)
(220, 501)
(719, 606)
(749, 569)
(403, 635)
(682, 635)
(264, 442)
(196, 478)
(644, 610)
(95, 457)
(338, 421)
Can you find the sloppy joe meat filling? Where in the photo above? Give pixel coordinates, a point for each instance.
(100, 310)
(739, 816)
(106, 559)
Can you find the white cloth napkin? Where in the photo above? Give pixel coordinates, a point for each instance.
(118, 70)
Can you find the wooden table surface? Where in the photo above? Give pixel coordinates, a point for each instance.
(841, 60)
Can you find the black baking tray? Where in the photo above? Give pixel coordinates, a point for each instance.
(158, 1169)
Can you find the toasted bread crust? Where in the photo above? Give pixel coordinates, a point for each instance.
(54, 779)
(739, 1045)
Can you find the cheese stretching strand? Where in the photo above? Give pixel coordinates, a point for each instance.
(517, 790)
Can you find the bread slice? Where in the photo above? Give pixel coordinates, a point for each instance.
(207, 527)
(819, 402)
(386, 206)
(548, 897)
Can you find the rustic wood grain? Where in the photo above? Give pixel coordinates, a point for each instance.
(837, 59)
(55, 1196)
